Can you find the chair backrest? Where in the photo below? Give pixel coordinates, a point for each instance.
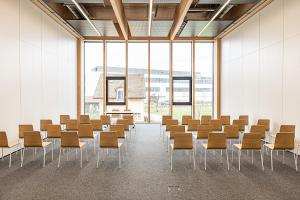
(225, 120)
(32, 139)
(170, 123)
(205, 119)
(124, 122)
(287, 128)
(119, 129)
(265, 123)
(258, 129)
(3, 139)
(251, 141)
(185, 119)
(129, 118)
(84, 119)
(183, 141)
(239, 123)
(70, 139)
(165, 118)
(193, 125)
(24, 128)
(85, 131)
(64, 118)
(96, 124)
(72, 125)
(216, 141)
(105, 119)
(231, 131)
(108, 139)
(53, 131)
(285, 140)
(174, 129)
(216, 125)
(203, 131)
(44, 123)
(245, 118)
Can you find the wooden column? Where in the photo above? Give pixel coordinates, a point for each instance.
(171, 78)
(149, 120)
(104, 77)
(79, 54)
(217, 82)
(126, 73)
(193, 80)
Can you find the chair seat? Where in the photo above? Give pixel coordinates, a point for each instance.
(13, 143)
(87, 137)
(206, 147)
(270, 146)
(239, 146)
(172, 147)
(44, 144)
(112, 147)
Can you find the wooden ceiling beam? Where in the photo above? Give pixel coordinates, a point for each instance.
(180, 14)
(99, 38)
(118, 8)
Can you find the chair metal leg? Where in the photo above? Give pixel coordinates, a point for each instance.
(9, 161)
(227, 159)
(52, 148)
(80, 157)
(86, 154)
(171, 152)
(283, 157)
(262, 160)
(239, 155)
(205, 159)
(94, 146)
(59, 158)
(102, 154)
(22, 157)
(252, 157)
(194, 155)
(98, 159)
(221, 155)
(272, 159)
(2, 153)
(119, 157)
(295, 160)
(44, 150)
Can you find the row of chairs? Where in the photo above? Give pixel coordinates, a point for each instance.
(85, 130)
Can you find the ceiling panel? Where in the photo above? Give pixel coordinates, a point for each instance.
(159, 28)
(223, 1)
(154, 1)
(105, 27)
(78, 1)
(192, 28)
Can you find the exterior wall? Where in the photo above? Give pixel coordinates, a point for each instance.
(37, 69)
(261, 66)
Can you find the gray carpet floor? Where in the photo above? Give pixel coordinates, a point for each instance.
(146, 174)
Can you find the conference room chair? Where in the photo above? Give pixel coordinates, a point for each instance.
(170, 123)
(232, 133)
(125, 122)
(84, 119)
(70, 140)
(105, 119)
(163, 123)
(24, 128)
(245, 118)
(174, 129)
(283, 129)
(216, 125)
(216, 141)
(33, 139)
(5, 144)
(202, 134)
(43, 126)
(283, 141)
(97, 126)
(225, 120)
(109, 140)
(205, 119)
(53, 133)
(185, 119)
(193, 125)
(72, 125)
(86, 133)
(182, 142)
(120, 131)
(240, 123)
(259, 129)
(252, 142)
(131, 122)
(63, 120)
(266, 124)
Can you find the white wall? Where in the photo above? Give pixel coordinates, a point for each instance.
(37, 67)
(261, 66)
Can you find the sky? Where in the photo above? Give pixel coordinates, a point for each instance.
(138, 58)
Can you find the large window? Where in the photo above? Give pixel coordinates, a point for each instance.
(204, 79)
(115, 75)
(182, 76)
(159, 80)
(93, 74)
(137, 79)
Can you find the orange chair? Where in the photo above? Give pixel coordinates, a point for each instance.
(4, 143)
(185, 119)
(205, 119)
(63, 120)
(225, 120)
(53, 132)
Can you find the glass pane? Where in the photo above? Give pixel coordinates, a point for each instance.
(137, 78)
(182, 59)
(159, 81)
(93, 68)
(116, 55)
(181, 91)
(116, 91)
(180, 110)
(204, 78)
